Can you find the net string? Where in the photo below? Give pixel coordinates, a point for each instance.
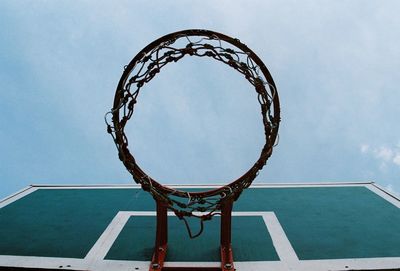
(143, 71)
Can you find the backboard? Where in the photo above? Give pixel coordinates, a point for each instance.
(329, 226)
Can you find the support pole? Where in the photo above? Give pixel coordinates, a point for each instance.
(226, 240)
(160, 248)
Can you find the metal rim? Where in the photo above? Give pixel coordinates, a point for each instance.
(271, 122)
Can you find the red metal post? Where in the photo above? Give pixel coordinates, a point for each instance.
(226, 241)
(160, 248)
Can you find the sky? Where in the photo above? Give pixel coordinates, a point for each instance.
(335, 64)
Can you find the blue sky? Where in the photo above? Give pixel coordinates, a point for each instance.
(335, 63)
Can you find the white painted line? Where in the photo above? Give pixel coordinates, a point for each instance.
(43, 262)
(106, 240)
(192, 264)
(261, 266)
(16, 193)
(384, 194)
(322, 265)
(110, 234)
(66, 185)
(254, 185)
(16, 196)
(113, 265)
(281, 243)
(86, 187)
(116, 265)
(307, 185)
(349, 264)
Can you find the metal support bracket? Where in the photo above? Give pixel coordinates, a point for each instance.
(160, 248)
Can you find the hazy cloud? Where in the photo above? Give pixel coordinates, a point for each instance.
(396, 159)
(364, 148)
(385, 155)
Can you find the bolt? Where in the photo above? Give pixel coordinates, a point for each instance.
(228, 266)
(155, 265)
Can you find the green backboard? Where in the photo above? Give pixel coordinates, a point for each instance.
(330, 226)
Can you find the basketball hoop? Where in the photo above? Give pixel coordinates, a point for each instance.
(145, 66)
